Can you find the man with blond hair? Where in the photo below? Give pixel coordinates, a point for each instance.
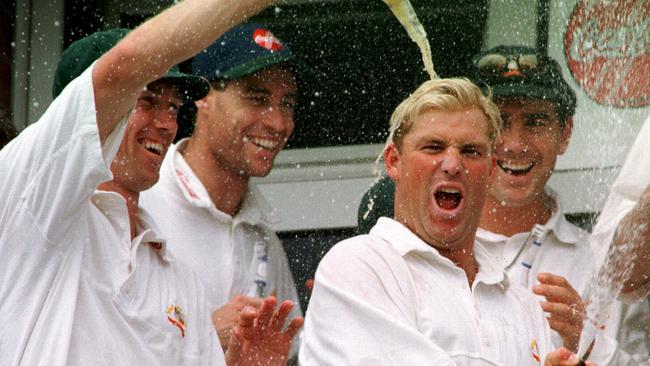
(419, 289)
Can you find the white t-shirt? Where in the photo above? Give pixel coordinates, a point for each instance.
(74, 288)
(388, 298)
(566, 251)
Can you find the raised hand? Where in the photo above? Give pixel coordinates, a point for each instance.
(260, 339)
(226, 317)
(564, 306)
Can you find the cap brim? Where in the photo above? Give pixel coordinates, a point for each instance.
(256, 65)
(302, 71)
(189, 87)
(517, 90)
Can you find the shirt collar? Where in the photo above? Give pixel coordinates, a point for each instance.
(556, 225)
(404, 241)
(112, 204)
(254, 209)
(147, 226)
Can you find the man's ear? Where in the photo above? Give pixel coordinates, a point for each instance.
(202, 103)
(392, 161)
(566, 135)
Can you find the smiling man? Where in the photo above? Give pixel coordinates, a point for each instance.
(419, 289)
(215, 219)
(86, 278)
(523, 224)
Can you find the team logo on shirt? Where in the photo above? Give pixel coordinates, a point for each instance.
(535, 352)
(176, 316)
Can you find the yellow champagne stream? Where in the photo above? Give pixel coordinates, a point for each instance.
(404, 12)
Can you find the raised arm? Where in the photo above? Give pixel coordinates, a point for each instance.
(149, 51)
(634, 230)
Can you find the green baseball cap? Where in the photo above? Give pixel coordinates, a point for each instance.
(519, 71)
(82, 53)
(378, 201)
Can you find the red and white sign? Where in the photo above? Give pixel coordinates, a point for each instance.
(607, 46)
(266, 39)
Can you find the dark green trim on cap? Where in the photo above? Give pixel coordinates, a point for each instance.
(255, 65)
(189, 87)
(378, 201)
(81, 54)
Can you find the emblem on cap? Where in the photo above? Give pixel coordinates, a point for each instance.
(265, 39)
(176, 316)
(513, 69)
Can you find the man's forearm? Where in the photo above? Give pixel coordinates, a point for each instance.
(149, 51)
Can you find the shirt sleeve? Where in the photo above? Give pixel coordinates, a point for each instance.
(55, 164)
(360, 313)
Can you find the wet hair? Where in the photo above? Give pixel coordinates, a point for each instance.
(7, 129)
(450, 94)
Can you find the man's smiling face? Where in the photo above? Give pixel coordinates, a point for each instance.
(248, 122)
(150, 130)
(530, 142)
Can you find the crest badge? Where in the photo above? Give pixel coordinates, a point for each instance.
(176, 316)
(535, 352)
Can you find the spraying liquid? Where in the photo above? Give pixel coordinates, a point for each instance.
(603, 289)
(403, 11)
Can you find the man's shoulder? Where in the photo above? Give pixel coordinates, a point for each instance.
(366, 248)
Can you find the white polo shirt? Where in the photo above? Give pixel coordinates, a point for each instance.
(74, 288)
(218, 247)
(388, 298)
(566, 251)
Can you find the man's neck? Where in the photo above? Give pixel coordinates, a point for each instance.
(464, 259)
(508, 220)
(225, 187)
(131, 199)
(462, 256)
